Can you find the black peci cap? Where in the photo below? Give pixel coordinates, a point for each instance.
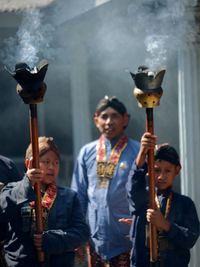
(112, 102)
(167, 153)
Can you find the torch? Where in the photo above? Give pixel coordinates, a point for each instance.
(31, 89)
(148, 92)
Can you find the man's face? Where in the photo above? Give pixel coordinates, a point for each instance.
(49, 164)
(165, 172)
(111, 123)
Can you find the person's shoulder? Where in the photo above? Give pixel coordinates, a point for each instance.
(5, 161)
(88, 148)
(90, 145)
(8, 170)
(65, 190)
(133, 143)
(186, 200)
(66, 194)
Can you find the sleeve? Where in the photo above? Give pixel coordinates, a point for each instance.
(76, 233)
(80, 180)
(136, 190)
(12, 196)
(186, 234)
(3, 231)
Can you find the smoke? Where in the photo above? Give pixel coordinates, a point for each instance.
(33, 40)
(166, 25)
(162, 25)
(14, 5)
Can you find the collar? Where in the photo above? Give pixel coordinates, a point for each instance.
(164, 193)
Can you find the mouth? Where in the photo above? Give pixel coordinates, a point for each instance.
(50, 174)
(161, 184)
(109, 130)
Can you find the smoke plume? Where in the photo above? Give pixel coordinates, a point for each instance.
(33, 40)
(166, 25)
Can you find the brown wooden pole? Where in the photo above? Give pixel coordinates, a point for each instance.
(152, 203)
(37, 187)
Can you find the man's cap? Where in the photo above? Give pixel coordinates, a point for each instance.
(167, 153)
(112, 102)
(45, 144)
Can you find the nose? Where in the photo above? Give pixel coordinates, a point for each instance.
(161, 176)
(52, 165)
(109, 119)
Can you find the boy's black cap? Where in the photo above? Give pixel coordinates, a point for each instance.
(112, 102)
(168, 153)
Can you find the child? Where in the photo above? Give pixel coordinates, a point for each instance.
(175, 218)
(63, 221)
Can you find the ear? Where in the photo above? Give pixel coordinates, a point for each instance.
(28, 163)
(96, 119)
(126, 119)
(178, 168)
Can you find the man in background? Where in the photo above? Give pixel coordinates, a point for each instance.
(99, 177)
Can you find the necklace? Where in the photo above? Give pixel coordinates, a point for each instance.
(105, 168)
(168, 205)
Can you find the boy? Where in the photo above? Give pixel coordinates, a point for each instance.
(176, 218)
(64, 224)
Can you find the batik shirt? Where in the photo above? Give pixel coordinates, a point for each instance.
(105, 206)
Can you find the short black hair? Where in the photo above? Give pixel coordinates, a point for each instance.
(168, 153)
(112, 102)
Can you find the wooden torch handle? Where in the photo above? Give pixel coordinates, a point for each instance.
(152, 203)
(37, 188)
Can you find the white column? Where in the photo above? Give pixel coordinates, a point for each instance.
(189, 128)
(81, 115)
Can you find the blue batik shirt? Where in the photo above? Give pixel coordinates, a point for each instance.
(105, 206)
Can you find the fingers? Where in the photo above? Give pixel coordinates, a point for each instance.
(148, 140)
(29, 163)
(152, 215)
(126, 221)
(155, 217)
(149, 215)
(35, 175)
(80, 254)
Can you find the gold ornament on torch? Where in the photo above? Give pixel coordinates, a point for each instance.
(148, 92)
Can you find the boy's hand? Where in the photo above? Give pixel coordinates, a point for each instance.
(148, 141)
(125, 221)
(80, 254)
(34, 175)
(156, 218)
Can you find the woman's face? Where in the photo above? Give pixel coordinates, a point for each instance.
(50, 165)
